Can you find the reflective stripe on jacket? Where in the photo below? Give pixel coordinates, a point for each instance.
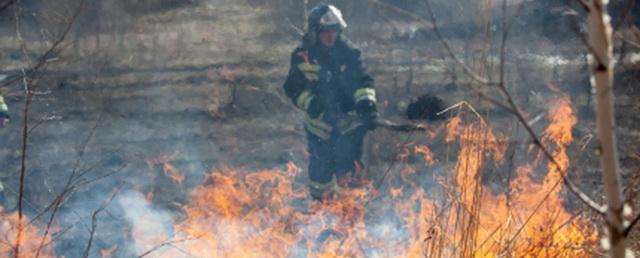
(334, 77)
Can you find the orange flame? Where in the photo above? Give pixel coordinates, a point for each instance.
(107, 253)
(30, 239)
(426, 154)
(267, 213)
(169, 169)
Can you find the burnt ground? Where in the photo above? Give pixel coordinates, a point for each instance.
(199, 87)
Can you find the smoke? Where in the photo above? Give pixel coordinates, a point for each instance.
(147, 71)
(149, 227)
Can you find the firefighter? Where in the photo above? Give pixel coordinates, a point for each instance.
(327, 81)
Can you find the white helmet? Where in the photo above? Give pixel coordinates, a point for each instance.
(326, 17)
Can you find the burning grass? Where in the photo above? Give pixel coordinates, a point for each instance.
(31, 242)
(236, 213)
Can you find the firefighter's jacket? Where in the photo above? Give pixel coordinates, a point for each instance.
(4, 109)
(332, 78)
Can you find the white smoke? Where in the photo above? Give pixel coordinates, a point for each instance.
(149, 227)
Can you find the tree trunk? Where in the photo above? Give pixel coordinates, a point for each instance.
(602, 78)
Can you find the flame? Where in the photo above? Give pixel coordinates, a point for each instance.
(30, 240)
(169, 169)
(520, 225)
(149, 196)
(426, 154)
(267, 213)
(108, 253)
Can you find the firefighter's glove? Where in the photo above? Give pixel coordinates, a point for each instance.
(366, 110)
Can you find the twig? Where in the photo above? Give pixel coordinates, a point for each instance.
(631, 225)
(583, 39)
(630, 42)
(94, 222)
(473, 75)
(466, 104)
(23, 166)
(42, 61)
(166, 243)
(36, 126)
(25, 133)
(625, 14)
(584, 5)
(432, 23)
(56, 205)
(6, 4)
(503, 42)
(89, 181)
(298, 31)
(572, 188)
(388, 170)
(490, 236)
(77, 184)
(513, 108)
(68, 189)
(585, 141)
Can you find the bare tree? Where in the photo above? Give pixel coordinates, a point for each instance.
(601, 47)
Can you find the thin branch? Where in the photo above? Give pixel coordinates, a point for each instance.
(166, 243)
(631, 42)
(89, 181)
(503, 42)
(56, 205)
(58, 235)
(464, 103)
(55, 48)
(68, 189)
(23, 166)
(583, 38)
(386, 173)
(6, 4)
(584, 5)
(624, 15)
(299, 31)
(42, 61)
(94, 217)
(563, 172)
(631, 225)
(36, 126)
(25, 133)
(536, 140)
(473, 75)
(86, 169)
(513, 108)
(432, 23)
(582, 196)
(77, 185)
(81, 152)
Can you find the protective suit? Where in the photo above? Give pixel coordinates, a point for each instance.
(330, 84)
